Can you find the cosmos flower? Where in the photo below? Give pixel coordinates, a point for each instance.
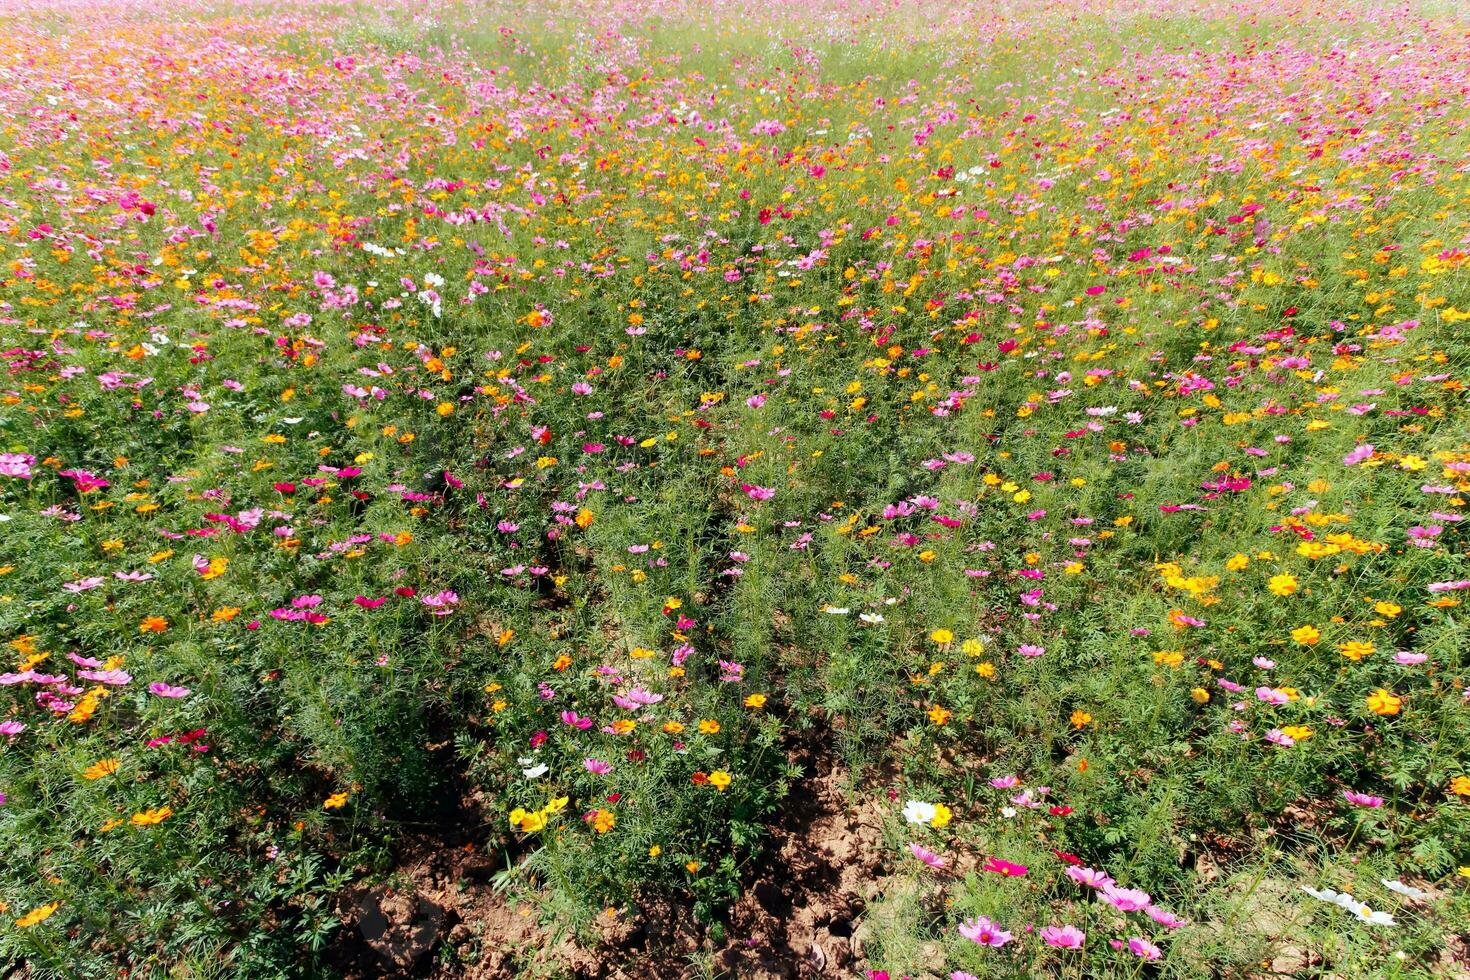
(1063, 937)
(984, 932)
(927, 856)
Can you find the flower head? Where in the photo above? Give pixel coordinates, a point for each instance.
(981, 930)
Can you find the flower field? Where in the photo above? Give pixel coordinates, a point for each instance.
(669, 489)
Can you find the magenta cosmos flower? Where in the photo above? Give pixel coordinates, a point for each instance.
(1005, 867)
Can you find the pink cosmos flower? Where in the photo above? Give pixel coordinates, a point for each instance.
(1165, 918)
(757, 493)
(1358, 455)
(981, 930)
(1361, 799)
(112, 678)
(597, 767)
(17, 465)
(1063, 937)
(441, 603)
(1144, 949)
(636, 698)
(1126, 899)
(1030, 650)
(1424, 537)
(1090, 877)
(927, 856)
(167, 690)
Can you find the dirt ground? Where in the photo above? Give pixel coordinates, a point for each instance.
(797, 917)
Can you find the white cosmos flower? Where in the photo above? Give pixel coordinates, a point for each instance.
(1326, 895)
(1372, 916)
(1407, 890)
(917, 811)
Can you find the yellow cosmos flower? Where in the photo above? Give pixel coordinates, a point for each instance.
(37, 915)
(1283, 584)
(1306, 635)
(1382, 702)
(98, 770)
(153, 624)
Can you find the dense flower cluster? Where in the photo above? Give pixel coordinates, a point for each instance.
(1059, 410)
